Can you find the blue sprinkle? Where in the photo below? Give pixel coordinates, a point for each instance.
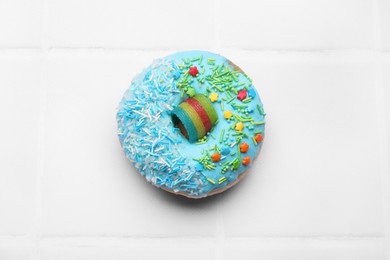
(176, 74)
(225, 151)
(251, 92)
(198, 167)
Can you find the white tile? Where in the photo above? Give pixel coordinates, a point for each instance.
(276, 249)
(15, 253)
(19, 85)
(384, 7)
(132, 24)
(319, 170)
(20, 23)
(386, 89)
(302, 24)
(171, 249)
(89, 186)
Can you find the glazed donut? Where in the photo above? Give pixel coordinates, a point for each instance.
(192, 123)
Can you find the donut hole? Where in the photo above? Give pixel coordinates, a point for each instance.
(194, 117)
(178, 124)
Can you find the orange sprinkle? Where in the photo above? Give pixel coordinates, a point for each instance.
(258, 138)
(215, 157)
(246, 160)
(244, 147)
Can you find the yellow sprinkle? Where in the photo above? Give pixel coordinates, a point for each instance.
(227, 114)
(213, 97)
(239, 126)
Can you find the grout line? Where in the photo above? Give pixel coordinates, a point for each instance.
(381, 110)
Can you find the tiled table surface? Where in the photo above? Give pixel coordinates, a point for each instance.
(319, 190)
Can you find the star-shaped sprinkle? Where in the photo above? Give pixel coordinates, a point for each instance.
(227, 114)
(191, 92)
(213, 97)
(241, 94)
(251, 92)
(244, 147)
(215, 157)
(225, 151)
(259, 138)
(193, 71)
(246, 160)
(198, 167)
(239, 126)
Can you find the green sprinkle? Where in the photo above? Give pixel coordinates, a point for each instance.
(211, 181)
(222, 106)
(247, 100)
(231, 99)
(258, 123)
(221, 180)
(258, 132)
(221, 137)
(259, 109)
(200, 61)
(254, 140)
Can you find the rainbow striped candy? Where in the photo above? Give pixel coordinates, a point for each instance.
(195, 117)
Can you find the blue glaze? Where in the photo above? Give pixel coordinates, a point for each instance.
(159, 151)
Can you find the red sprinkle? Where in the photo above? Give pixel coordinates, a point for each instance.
(193, 71)
(241, 94)
(216, 157)
(246, 160)
(259, 138)
(244, 147)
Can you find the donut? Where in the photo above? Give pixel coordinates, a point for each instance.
(192, 123)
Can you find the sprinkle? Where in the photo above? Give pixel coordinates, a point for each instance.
(221, 180)
(193, 71)
(244, 147)
(225, 151)
(221, 136)
(247, 100)
(246, 161)
(215, 157)
(210, 180)
(213, 97)
(254, 140)
(239, 126)
(241, 94)
(227, 114)
(258, 138)
(191, 92)
(259, 109)
(258, 123)
(200, 61)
